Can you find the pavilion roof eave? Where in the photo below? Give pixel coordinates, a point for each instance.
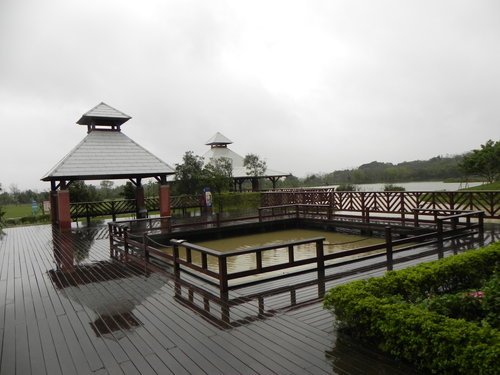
(106, 176)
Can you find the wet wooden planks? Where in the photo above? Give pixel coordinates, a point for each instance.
(112, 319)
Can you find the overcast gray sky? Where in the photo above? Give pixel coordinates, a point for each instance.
(310, 86)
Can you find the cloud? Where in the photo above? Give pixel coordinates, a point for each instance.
(308, 85)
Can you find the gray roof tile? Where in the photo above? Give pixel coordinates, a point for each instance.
(106, 154)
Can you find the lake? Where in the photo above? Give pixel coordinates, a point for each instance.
(420, 186)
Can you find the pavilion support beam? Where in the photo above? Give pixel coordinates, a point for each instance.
(141, 212)
(255, 184)
(274, 180)
(63, 209)
(53, 202)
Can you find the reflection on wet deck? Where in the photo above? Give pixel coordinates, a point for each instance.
(67, 308)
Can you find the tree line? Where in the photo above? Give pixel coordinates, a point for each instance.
(481, 164)
(193, 174)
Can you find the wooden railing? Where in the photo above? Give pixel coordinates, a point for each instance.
(141, 247)
(128, 206)
(401, 203)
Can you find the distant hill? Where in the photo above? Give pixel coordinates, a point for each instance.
(439, 168)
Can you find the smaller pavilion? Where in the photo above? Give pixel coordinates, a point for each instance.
(218, 149)
(106, 154)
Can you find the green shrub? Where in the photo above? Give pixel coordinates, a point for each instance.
(491, 302)
(462, 305)
(233, 202)
(381, 311)
(391, 187)
(26, 220)
(347, 187)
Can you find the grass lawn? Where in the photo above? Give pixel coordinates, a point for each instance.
(493, 186)
(17, 210)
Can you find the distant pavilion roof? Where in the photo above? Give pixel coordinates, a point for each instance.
(107, 153)
(218, 139)
(239, 170)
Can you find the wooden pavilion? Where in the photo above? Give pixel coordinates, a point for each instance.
(218, 149)
(106, 154)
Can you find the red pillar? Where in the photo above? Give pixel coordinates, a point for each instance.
(63, 212)
(164, 200)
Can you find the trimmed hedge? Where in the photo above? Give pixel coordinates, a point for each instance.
(388, 311)
(235, 202)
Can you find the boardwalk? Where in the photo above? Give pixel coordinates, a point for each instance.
(107, 319)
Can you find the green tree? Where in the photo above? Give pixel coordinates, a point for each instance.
(105, 190)
(128, 191)
(189, 174)
(254, 165)
(484, 162)
(218, 174)
(80, 192)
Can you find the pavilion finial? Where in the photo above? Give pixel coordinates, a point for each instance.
(103, 117)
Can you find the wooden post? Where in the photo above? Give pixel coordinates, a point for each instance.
(111, 237)
(177, 267)
(320, 259)
(481, 225)
(146, 250)
(439, 224)
(87, 213)
(223, 282)
(416, 223)
(388, 244)
(481, 222)
(126, 245)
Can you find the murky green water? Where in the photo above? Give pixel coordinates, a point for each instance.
(334, 242)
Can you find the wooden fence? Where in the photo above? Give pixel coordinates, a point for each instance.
(388, 202)
(128, 206)
(142, 248)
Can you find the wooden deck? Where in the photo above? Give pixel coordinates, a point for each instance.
(105, 318)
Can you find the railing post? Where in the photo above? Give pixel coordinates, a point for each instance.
(125, 244)
(145, 249)
(217, 219)
(291, 257)
(416, 223)
(87, 213)
(320, 259)
(177, 266)
(113, 211)
(439, 224)
(260, 214)
(223, 282)
(388, 245)
(481, 225)
(111, 239)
